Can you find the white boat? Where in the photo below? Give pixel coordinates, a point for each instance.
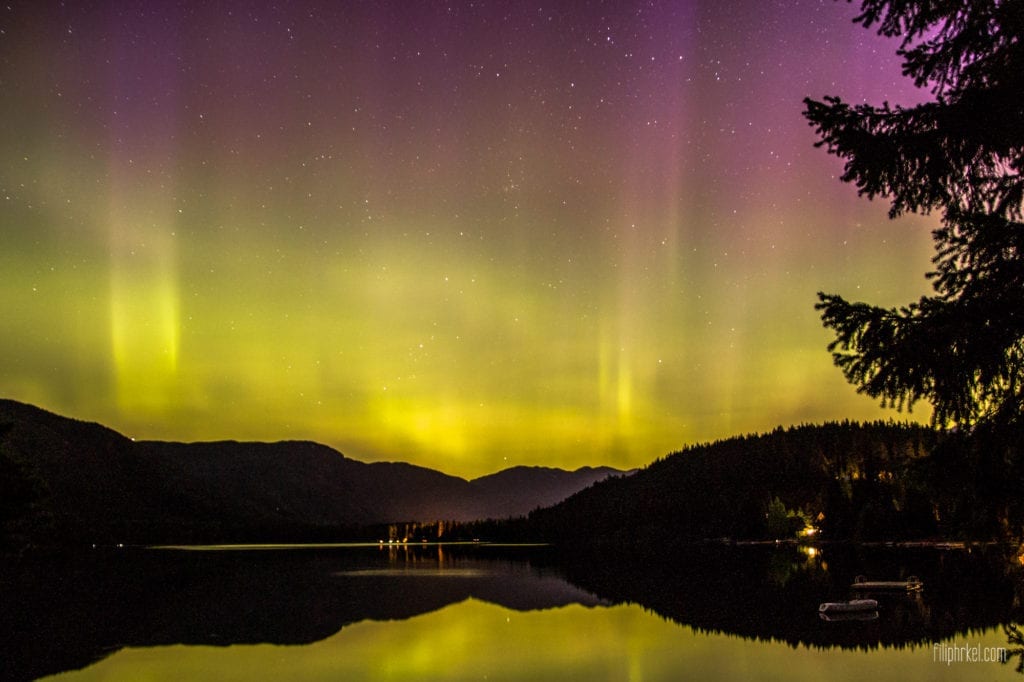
(832, 608)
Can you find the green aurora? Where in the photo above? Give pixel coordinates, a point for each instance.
(457, 236)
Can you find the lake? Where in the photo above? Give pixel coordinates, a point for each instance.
(485, 612)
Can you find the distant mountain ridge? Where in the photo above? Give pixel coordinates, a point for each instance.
(94, 484)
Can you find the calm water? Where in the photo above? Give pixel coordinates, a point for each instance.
(476, 613)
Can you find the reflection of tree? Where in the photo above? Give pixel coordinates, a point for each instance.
(1015, 645)
(768, 593)
(782, 567)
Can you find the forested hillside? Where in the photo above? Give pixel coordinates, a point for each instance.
(837, 481)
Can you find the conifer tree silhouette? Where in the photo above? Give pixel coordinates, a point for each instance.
(961, 154)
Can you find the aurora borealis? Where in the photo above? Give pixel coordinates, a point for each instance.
(465, 235)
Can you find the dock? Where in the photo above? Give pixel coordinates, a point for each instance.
(911, 584)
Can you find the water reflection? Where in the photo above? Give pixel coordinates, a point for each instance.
(457, 613)
(477, 640)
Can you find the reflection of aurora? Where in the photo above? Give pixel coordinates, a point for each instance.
(476, 640)
(421, 244)
(436, 613)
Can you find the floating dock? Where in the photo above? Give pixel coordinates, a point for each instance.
(911, 584)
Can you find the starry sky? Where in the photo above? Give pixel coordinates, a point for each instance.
(461, 234)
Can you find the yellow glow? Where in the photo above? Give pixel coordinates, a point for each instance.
(624, 391)
(477, 640)
(144, 315)
(441, 355)
(615, 386)
(611, 273)
(435, 424)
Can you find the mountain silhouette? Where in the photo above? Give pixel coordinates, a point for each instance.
(96, 485)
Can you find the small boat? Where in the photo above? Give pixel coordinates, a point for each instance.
(859, 616)
(854, 606)
(911, 584)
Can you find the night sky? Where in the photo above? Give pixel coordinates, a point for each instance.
(465, 235)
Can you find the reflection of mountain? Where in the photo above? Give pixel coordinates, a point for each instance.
(62, 614)
(103, 487)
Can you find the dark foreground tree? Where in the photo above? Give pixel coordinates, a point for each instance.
(961, 349)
